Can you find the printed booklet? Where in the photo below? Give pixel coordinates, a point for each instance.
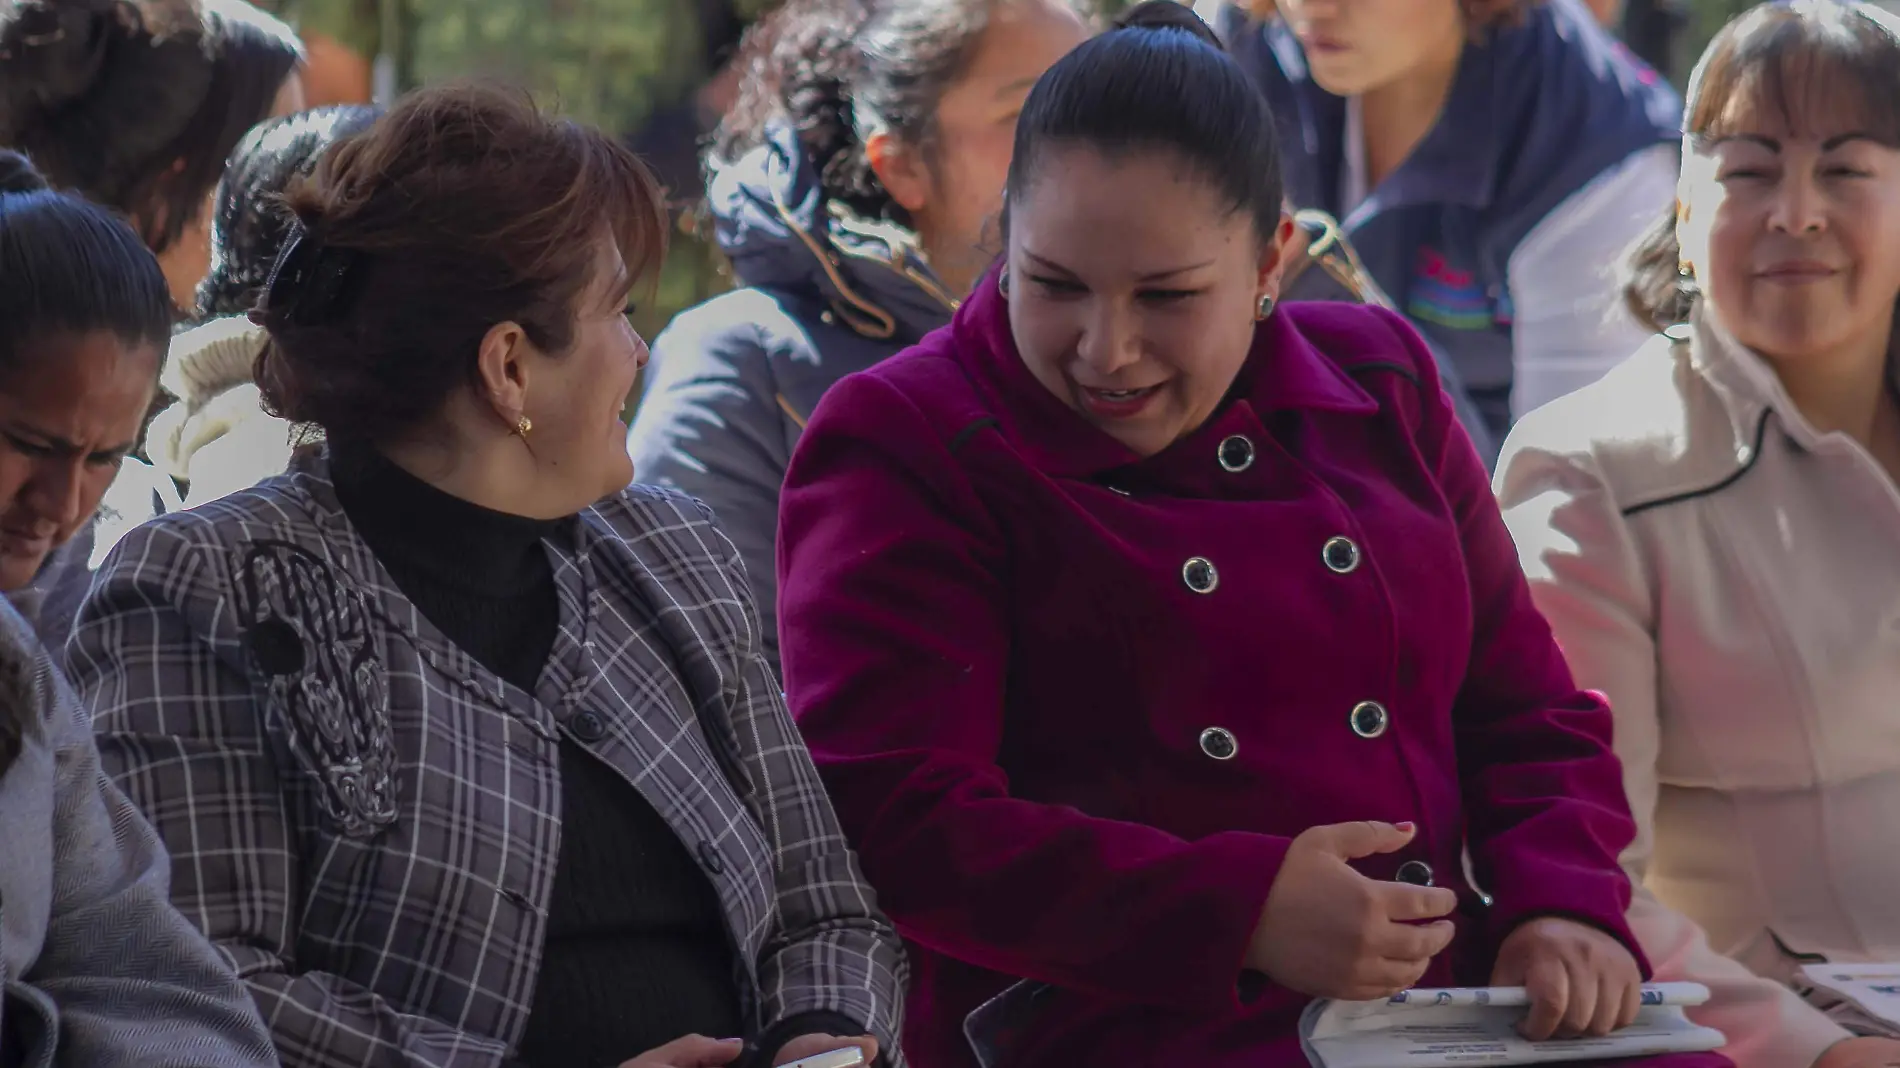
(1478, 1025)
(1864, 998)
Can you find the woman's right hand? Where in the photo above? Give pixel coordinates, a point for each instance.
(1329, 932)
(1861, 1053)
(693, 1051)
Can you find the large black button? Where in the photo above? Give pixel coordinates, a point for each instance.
(1219, 743)
(1369, 719)
(1341, 555)
(710, 857)
(1416, 872)
(1236, 454)
(1199, 574)
(589, 727)
(275, 647)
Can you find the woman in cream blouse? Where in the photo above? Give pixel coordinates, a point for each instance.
(1714, 533)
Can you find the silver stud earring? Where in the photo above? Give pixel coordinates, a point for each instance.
(1267, 302)
(1002, 282)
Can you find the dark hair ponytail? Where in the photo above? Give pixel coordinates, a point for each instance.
(71, 267)
(1168, 15)
(17, 174)
(1159, 81)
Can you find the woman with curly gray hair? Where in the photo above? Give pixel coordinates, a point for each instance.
(853, 184)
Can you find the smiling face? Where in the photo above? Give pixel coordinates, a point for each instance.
(68, 417)
(575, 398)
(1133, 290)
(1791, 221)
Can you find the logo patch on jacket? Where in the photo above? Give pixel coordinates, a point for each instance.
(1448, 295)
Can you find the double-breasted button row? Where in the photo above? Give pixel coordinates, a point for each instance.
(1341, 555)
(1415, 872)
(1369, 720)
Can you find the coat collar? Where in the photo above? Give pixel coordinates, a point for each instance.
(1283, 372)
(1746, 383)
(566, 674)
(705, 633)
(1456, 164)
(779, 231)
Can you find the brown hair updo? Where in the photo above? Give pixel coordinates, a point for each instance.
(462, 208)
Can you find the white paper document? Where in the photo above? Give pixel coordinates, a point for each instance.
(1478, 1025)
(1864, 998)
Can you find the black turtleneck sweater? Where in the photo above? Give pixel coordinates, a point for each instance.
(637, 951)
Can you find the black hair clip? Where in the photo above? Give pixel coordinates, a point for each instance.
(308, 283)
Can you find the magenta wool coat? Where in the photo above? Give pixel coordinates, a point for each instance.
(1072, 704)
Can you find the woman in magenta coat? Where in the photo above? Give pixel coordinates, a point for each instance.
(1111, 610)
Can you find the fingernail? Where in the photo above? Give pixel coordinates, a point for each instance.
(1407, 827)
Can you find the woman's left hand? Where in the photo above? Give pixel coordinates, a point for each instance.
(1581, 981)
(812, 1045)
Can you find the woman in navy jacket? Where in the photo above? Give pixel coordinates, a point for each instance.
(1490, 160)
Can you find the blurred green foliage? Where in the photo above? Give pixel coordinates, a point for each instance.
(611, 63)
(1705, 18)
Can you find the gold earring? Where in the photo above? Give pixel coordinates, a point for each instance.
(523, 425)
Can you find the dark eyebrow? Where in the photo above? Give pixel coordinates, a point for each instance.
(1154, 276)
(1837, 141)
(1757, 140)
(56, 444)
(1773, 145)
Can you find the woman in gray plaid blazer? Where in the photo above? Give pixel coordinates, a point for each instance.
(465, 754)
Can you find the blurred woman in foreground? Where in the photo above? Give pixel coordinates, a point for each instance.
(100, 971)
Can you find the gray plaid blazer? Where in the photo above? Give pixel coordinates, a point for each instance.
(97, 970)
(365, 820)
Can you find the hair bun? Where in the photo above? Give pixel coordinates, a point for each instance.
(1168, 15)
(17, 173)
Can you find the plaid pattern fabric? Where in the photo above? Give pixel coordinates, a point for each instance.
(366, 821)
